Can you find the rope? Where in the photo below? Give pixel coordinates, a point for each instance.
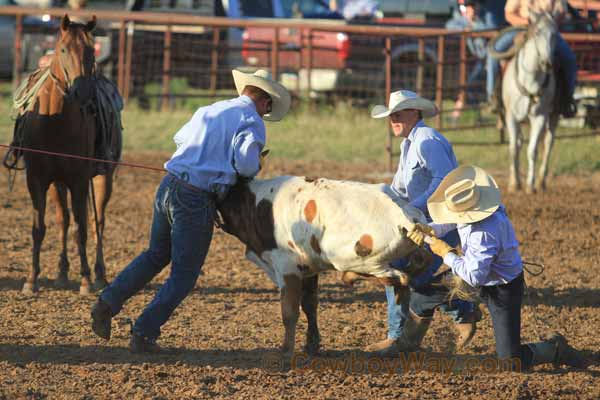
(20, 99)
(52, 153)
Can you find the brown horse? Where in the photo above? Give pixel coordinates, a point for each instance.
(62, 119)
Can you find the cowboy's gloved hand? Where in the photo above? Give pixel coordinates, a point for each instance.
(439, 247)
(418, 233)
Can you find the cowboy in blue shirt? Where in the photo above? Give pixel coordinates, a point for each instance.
(468, 200)
(425, 159)
(220, 143)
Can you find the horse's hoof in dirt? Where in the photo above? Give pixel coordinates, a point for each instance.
(514, 188)
(530, 190)
(100, 284)
(30, 288)
(85, 287)
(61, 282)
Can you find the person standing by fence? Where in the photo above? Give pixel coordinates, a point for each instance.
(221, 143)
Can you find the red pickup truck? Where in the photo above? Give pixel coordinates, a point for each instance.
(340, 63)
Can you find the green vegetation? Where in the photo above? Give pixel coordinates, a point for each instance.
(340, 133)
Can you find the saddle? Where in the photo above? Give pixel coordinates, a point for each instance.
(106, 106)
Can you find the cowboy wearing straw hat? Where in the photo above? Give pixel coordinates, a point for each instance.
(468, 200)
(220, 143)
(426, 157)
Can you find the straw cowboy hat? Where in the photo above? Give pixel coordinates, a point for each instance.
(262, 80)
(466, 195)
(405, 100)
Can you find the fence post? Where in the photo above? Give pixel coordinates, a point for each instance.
(388, 90)
(439, 81)
(214, 60)
(17, 60)
(128, 55)
(420, 66)
(309, 66)
(462, 78)
(275, 54)
(166, 69)
(121, 59)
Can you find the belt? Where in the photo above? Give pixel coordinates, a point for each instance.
(189, 185)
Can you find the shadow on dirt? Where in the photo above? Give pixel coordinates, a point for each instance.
(346, 361)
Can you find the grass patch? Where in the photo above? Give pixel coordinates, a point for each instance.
(340, 133)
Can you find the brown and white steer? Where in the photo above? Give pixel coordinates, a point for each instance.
(296, 227)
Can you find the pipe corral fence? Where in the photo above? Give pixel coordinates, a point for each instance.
(163, 59)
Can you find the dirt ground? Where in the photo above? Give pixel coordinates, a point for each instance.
(222, 341)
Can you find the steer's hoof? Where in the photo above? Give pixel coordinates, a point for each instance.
(312, 349)
(30, 288)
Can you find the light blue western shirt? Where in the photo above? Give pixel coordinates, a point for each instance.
(219, 142)
(426, 157)
(490, 250)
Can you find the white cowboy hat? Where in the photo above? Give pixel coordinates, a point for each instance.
(262, 80)
(466, 195)
(405, 100)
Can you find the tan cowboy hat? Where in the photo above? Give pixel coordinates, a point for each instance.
(466, 195)
(405, 100)
(262, 80)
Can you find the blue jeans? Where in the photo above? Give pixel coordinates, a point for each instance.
(181, 233)
(564, 57)
(398, 313)
(504, 304)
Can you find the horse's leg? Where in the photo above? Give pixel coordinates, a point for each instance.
(537, 127)
(37, 191)
(514, 147)
(310, 303)
(102, 185)
(548, 142)
(79, 193)
(58, 193)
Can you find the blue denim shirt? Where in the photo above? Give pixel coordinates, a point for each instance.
(491, 251)
(426, 157)
(220, 142)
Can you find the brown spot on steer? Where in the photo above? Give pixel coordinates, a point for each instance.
(310, 211)
(311, 179)
(314, 243)
(364, 246)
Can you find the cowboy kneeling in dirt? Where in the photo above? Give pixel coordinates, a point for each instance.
(468, 200)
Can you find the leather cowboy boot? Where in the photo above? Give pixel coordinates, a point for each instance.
(413, 332)
(466, 330)
(385, 348)
(557, 351)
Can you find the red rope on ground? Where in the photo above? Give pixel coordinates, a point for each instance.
(52, 153)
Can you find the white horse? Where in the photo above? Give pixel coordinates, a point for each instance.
(528, 90)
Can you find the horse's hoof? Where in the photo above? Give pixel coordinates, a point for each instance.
(61, 282)
(530, 190)
(514, 188)
(85, 287)
(100, 284)
(30, 288)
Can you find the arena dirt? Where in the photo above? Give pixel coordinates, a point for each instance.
(222, 341)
